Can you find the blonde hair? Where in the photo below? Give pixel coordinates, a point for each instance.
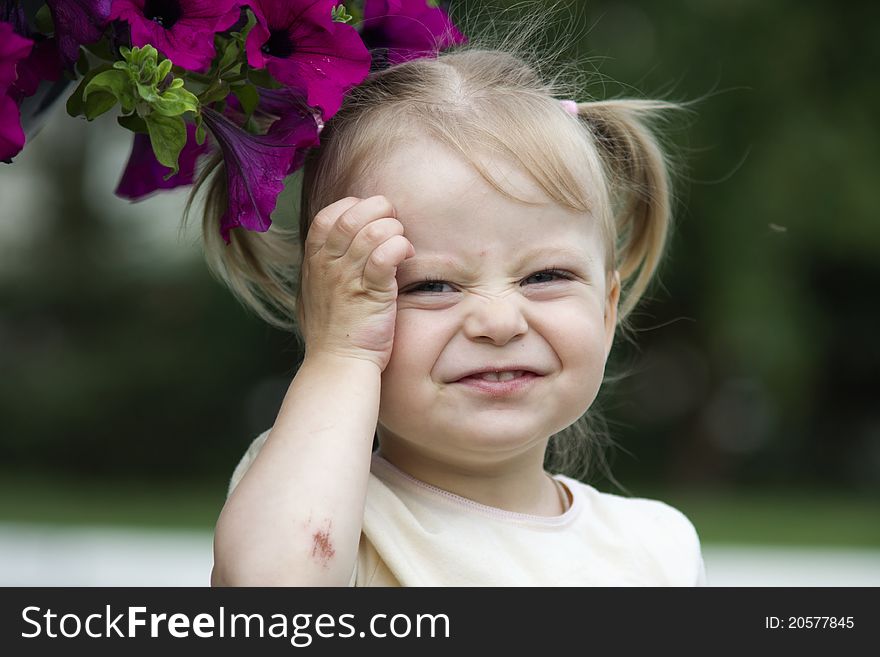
(475, 100)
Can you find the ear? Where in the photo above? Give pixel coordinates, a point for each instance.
(611, 301)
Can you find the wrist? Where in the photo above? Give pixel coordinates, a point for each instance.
(349, 363)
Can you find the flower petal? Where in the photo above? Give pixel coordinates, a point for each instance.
(43, 63)
(256, 166)
(298, 124)
(11, 134)
(408, 29)
(78, 22)
(327, 57)
(144, 174)
(189, 41)
(328, 63)
(13, 49)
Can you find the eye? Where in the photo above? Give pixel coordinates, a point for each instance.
(549, 275)
(428, 286)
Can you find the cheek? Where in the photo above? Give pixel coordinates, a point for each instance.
(418, 341)
(576, 330)
(576, 333)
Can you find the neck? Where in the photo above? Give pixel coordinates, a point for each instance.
(518, 484)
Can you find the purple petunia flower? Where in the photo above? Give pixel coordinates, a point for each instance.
(301, 46)
(144, 174)
(78, 22)
(407, 29)
(256, 165)
(13, 49)
(42, 63)
(182, 30)
(291, 106)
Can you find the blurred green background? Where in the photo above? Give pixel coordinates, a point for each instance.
(132, 381)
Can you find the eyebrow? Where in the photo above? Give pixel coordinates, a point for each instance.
(419, 263)
(560, 253)
(563, 252)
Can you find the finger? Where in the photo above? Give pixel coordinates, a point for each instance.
(352, 220)
(323, 222)
(370, 236)
(381, 267)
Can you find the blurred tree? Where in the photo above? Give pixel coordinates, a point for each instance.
(755, 360)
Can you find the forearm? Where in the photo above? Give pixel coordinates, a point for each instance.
(295, 518)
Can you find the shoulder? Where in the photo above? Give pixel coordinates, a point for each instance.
(654, 529)
(652, 519)
(641, 512)
(246, 460)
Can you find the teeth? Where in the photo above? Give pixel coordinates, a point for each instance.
(500, 376)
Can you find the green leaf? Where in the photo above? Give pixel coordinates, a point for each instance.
(141, 57)
(167, 137)
(262, 78)
(97, 103)
(175, 101)
(43, 20)
(114, 82)
(339, 15)
(133, 122)
(195, 86)
(248, 97)
(82, 63)
(163, 70)
(230, 55)
(101, 49)
(241, 36)
(200, 129)
(215, 92)
(147, 92)
(75, 106)
(356, 9)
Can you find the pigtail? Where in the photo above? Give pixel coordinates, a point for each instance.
(261, 269)
(639, 186)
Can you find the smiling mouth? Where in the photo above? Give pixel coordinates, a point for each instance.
(497, 376)
(500, 385)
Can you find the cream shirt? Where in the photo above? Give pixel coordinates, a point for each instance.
(415, 534)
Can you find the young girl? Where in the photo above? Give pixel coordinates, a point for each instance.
(469, 244)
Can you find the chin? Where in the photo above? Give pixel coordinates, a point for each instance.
(498, 433)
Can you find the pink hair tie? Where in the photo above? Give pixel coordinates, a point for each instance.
(569, 106)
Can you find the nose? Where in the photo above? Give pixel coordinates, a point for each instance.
(498, 320)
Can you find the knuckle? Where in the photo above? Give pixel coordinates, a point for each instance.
(320, 222)
(348, 223)
(380, 257)
(326, 215)
(376, 230)
(383, 203)
(373, 232)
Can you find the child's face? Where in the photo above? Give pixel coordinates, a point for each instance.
(490, 310)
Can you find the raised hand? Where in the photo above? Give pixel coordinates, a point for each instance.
(349, 285)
